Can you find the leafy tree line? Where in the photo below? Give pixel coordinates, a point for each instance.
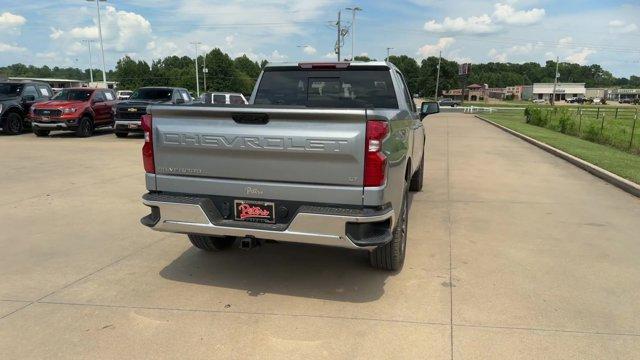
(223, 73)
(240, 74)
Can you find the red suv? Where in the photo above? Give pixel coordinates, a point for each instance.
(77, 109)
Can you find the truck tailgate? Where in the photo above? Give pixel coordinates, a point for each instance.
(262, 144)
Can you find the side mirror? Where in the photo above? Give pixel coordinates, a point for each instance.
(428, 108)
(180, 101)
(29, 98)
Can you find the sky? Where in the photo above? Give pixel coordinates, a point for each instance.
(45, 32)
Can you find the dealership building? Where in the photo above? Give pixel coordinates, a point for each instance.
(544, 91)
(620, 94)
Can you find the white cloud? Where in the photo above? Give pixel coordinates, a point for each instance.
(122, 31)
(309, 50)
(505, 13)
(11, 48)
(277, 57)
(473, 25)
(55, 33)
(49, 55)
(9, 21)
(565, 41)
(330, 55)
(580, 57)
(522, 49)
(229, 39)
(433, 49)
(497, 56)
(621, 27)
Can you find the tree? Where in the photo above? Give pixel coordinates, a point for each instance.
(363, 58)
(409, 68)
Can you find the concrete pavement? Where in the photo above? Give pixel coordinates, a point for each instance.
(512, 253)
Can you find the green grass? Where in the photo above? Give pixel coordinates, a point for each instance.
(619, 162)
(611, 105)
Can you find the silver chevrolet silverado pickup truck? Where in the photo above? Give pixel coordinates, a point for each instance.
(325, 154)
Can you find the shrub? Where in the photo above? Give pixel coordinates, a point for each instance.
(592, 133)
(534, 116)
(566, 123)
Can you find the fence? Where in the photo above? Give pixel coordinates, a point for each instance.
(617, 127)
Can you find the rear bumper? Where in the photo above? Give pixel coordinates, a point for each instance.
(329, 226)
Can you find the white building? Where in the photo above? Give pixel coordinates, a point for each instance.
(563, 90)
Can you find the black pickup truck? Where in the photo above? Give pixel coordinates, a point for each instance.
(127, 114)
(16, 98)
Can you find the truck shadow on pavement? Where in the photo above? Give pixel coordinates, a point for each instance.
(282, 268)
(299, 270)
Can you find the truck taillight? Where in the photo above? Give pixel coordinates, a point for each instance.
(147, 148)
(375, 162)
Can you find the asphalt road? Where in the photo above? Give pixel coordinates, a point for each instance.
(512, 253)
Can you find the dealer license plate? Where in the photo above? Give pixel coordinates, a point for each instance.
(254, 211)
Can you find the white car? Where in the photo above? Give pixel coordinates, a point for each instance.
(539, 101)
(223, 98)
(124, 94)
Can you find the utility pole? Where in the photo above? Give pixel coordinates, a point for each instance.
(104, 67)
(339, 34)
(353, 27)
(555, 82)
(204, 72)
(438, 76)
(88, 41)
(389, 48)
(196, 43)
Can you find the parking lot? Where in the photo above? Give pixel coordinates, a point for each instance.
(512, 253)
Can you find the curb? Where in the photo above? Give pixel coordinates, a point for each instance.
(613, 179)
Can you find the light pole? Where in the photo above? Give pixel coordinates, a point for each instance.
(204, 72)
(353, 27)
(90, 61)
(389, 48)
(196, 43)
(438, 76)
(104, 67)
(555, 82)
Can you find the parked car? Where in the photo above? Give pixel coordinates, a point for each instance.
(124, 94)
(449, 102)
(223, 98)
(575, 100)
(128, 113)
(81, 110)
(539, 101)
(323, 154)
(16, 98)
(626, 101)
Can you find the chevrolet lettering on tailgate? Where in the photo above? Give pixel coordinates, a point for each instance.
(256, 142)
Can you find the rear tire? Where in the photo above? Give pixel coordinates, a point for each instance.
(211, 243)
(41, 133)
(121, 134)
(391, 256)
(85, 128)
(13, 124)
(418, 177)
